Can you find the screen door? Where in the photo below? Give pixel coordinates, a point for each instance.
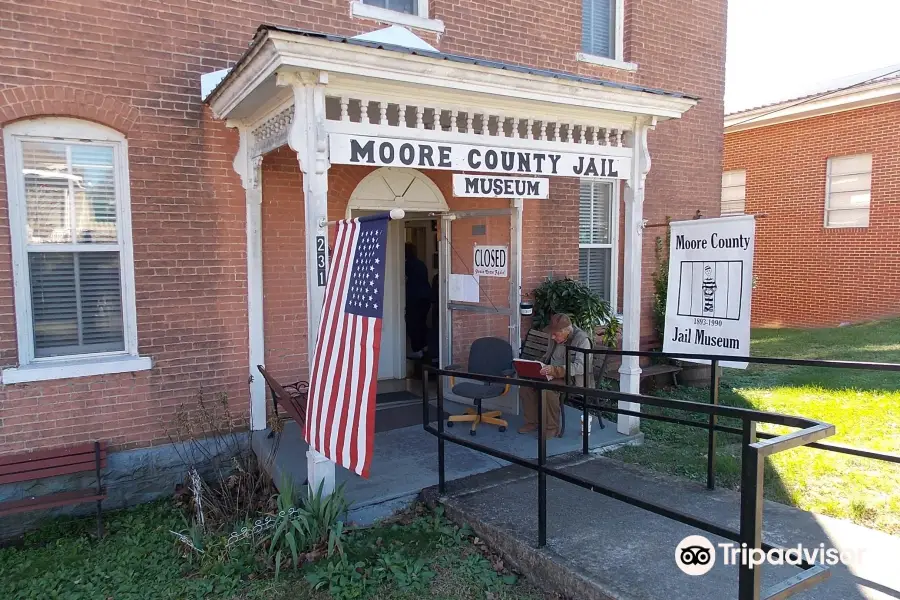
(480, 286)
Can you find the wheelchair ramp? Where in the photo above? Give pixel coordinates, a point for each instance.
(600, 548)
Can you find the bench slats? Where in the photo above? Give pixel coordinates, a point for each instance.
(30, 473)
(55, 453)
(535, 345)
(50, 501)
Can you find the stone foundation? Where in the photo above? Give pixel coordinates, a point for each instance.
(131, 477)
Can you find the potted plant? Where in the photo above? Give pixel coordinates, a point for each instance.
(584, 306)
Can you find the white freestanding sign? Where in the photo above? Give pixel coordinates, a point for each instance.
(710, 281)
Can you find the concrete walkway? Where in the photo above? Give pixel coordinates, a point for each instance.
(602, 548)
(405, 460)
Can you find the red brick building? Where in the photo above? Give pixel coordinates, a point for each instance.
(154, 236)
(825, 172)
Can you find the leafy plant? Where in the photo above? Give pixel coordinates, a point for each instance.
(410, 574)
(479, 569)
(312, 526)
(585, 308)
(343, 580)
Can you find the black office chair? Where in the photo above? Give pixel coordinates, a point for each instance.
(487, 356)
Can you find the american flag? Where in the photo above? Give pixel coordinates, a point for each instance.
(340, 414)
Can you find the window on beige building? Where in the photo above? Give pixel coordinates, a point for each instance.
(848, 191)
(597, 234)
(734, 192)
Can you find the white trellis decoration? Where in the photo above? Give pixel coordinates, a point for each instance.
(186, 541)
(260, 526)
(197, 491)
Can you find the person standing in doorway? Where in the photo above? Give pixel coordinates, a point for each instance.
(418, 301)
(562, 334)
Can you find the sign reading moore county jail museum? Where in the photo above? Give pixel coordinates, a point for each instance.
(710, 283)
(360, 150)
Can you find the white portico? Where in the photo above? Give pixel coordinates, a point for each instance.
(336, 100)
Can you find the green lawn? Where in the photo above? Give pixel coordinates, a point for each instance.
(424, 556)
(864, 407)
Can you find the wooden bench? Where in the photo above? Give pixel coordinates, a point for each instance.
(536, 344)
(291, 397)
(32, 466)
(534, 347)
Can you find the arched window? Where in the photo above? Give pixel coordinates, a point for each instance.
(70, 227)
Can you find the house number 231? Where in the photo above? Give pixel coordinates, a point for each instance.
(320, 260)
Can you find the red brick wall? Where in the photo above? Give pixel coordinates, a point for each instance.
(136, 67)
(808, 275)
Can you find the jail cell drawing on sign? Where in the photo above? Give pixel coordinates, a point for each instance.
(711, 289)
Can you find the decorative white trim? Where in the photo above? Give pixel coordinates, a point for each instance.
(83, 367)
(605, 62)
(620, 32)
(75, 130)
(385, 15)
(273, 132)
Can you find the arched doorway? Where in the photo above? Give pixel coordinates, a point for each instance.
(385, 189)
(389, 187)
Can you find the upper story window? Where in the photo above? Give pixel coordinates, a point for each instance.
(848, 191)
(734, 192)
(602, 24)
(405, 6)
(597, 235)
(70, 228)
(410, 13)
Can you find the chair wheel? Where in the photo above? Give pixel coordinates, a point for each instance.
(449, 423)
(502, 429)
(472, 432)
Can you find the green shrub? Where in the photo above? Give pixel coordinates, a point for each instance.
(584, 306)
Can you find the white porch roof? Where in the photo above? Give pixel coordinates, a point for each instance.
(362, 67)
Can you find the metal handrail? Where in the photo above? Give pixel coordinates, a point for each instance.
(753, 457)
(713, 427)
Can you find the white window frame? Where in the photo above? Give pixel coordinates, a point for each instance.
(722, 199)
(61, 129)
(828, 209)
(420, 20)
(613, 244)
(617, 61)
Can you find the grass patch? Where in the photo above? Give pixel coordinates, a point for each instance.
(864, 407)
(421, 556)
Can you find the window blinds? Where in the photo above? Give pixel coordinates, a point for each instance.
(597, 24)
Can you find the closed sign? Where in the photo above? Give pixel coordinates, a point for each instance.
(491, 261)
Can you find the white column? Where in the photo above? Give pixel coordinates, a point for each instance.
(250, 169)
(630, 371)
(309, 140)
